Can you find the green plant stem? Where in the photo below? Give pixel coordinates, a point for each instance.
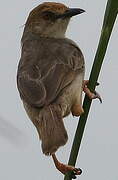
(109, 20)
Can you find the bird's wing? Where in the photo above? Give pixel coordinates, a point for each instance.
(45, 71)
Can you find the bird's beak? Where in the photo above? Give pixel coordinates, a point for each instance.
(71, 12)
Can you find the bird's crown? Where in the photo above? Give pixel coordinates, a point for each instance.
(51, 6)
(47, 9)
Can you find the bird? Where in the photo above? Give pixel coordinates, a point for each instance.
(50, 76)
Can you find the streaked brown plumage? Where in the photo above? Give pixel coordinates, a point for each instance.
(50, 75)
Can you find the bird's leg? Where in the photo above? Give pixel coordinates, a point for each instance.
(63, 168)
(91, 95)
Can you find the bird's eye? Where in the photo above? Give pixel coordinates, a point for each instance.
(48, 15)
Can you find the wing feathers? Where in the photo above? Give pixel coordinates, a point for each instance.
(41, 79)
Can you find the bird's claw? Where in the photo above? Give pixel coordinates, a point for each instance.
(63, 168)
(90, 94)
(76, 171)
(96, 95)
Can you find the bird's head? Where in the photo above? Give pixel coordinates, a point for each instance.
(51, 19)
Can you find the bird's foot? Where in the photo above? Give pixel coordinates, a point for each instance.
(90, 94)
(63, 168)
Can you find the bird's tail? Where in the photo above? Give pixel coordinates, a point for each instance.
(51, 129)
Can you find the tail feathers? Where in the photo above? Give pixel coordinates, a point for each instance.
(51, 129)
